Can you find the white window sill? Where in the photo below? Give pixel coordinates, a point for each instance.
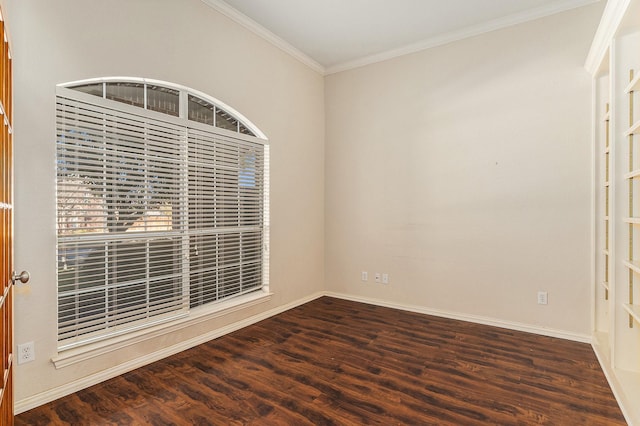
(83, 353)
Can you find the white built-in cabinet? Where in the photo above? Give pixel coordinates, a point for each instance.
(614, 62)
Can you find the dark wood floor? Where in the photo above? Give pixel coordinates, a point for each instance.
(338, 362)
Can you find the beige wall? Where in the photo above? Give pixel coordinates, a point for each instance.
(464, 172)
(184, 42)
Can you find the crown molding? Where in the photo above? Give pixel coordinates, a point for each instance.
(611, 19)
(471, 31)
(440, 40)
(264, 33)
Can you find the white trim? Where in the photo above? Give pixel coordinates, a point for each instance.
(52, 394)
(267, 35)
(611, 19)
(470, 31)
(595, 155)
(493, 322)
(615, 386)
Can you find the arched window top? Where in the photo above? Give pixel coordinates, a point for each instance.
(168, 98)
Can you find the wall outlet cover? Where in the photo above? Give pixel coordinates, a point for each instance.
(26, 352)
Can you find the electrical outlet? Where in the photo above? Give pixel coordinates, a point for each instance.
(377, 279)
(364, 276)
(385, 278)
(26, 352)
(542, 298)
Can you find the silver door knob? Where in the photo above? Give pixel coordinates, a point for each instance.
(23, 277)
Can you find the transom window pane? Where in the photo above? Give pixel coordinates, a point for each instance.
(243, 129)
(200, 110)
(127, 93)
(92, 89)
(224, 120)
(163, 99)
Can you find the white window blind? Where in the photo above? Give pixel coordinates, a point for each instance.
(225, 216)
(154, 215)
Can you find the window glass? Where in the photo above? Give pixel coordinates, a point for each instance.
(163, 99)
(92, 89)
(243, 129)
(224, 120)
(127, 93)
(200, 110)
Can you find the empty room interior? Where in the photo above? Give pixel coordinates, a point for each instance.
(267, 178)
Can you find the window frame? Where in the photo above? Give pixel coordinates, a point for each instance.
(66, 90)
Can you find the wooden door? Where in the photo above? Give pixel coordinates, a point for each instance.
(6, 232)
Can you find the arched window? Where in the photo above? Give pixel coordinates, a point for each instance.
(161, 205)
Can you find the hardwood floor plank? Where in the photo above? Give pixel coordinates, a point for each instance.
(336, 362)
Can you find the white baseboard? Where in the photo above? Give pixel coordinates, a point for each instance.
(69, 388)
(582, 338)
(36, 400)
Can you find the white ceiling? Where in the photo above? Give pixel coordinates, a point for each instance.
(334, 35)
